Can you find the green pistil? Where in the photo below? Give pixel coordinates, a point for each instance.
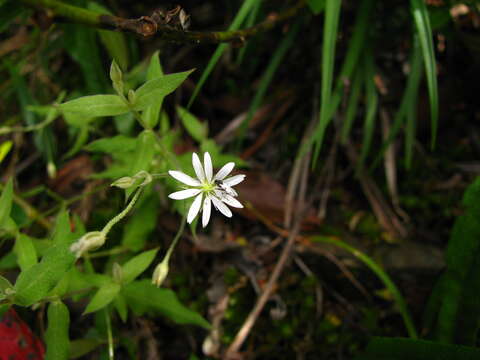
(208, 187)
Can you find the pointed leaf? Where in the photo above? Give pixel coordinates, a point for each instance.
(56, 336)
(25, 251)
(37, 281)
(6, 202)
(142, 296)
(96, 105)
(152, 91)
(103, 297)
(137, 265)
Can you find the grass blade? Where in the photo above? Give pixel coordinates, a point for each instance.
(237, 21)
(352, 106)
(355, 48)
(407, 107)
(371, 107)
(330, 30)
(424, 31)
(382, 275)
(272, 67)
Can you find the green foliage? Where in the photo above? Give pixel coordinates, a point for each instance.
(149, 93)
(96, 105)
(25, 251)
(103, 297)
(6, 202)
(137, 265)
(316, 6)
(194, 127)
(454, 303)
(143, 297)
(56, 337)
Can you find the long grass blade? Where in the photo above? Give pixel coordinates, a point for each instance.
(371, 106)
(352, 106)
(382, 275)
(355, 48)
(407, 107)
(424, 31)
(237, 21)
(330, 31)
(272, 67)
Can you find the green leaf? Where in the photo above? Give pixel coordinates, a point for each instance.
(4, 284)
(316, 6)
(242, 13)
(81, 43)
(81, 347)
(424, 30)
(149, 93)
(141, 224)
(142, 296)
(152, 113)
(25, 251)
(144, 152)
(382, 275)
(62, 233)
(371, 107)
(137, 265)
(96, 105)
(121, 307)
(5, 149)
(37, 281)
(114, 41)
(400, 349)
(196, 129)
(6, 202)
(56, 336)
(103, 297)
(463, 252)
(330, 30)
(115, 144)
(275, 62)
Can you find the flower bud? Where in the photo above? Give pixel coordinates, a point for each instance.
(117, 273)
(160, 273)
(115, 72)
(124, 182)
(90, 241)
(132, 97)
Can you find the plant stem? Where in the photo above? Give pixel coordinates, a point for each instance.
(147, 26)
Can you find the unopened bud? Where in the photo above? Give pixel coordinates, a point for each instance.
(124, 182)
(117, 272)
(115, 72)
(90, 241)
(132, 97)
(160, 273)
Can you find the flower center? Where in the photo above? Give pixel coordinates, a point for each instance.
(208, 186)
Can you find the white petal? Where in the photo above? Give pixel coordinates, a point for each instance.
(207, 209)
(220, 206)
(194, 209)
(184, 178)
(234, 180)
(184, 194)
(207, 163)
(224, 171)
(197, 166)
(231, 201)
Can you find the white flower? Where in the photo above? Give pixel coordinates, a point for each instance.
(208, 189)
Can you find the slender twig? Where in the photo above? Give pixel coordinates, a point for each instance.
(282, 261)
(150, 26)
